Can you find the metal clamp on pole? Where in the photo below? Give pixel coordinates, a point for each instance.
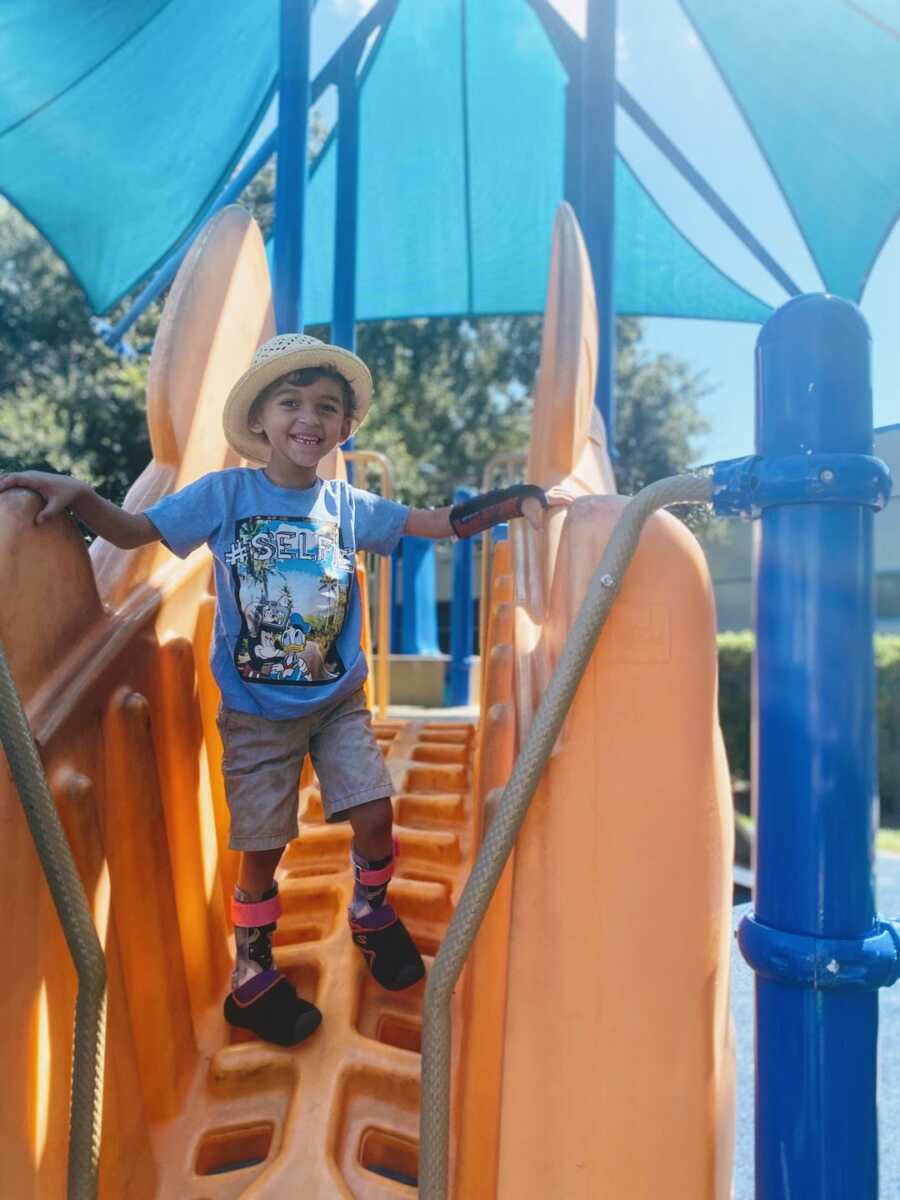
(826, 964)
(746, 486)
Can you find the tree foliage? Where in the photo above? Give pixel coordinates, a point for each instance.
(67, 403)
(451, 394)
(659, 418)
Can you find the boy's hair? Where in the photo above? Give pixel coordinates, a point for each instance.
(303, 378)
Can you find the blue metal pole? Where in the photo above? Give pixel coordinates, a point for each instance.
(597, 83)
(343, 319)
(418, 617)
(343, 311)
(396, 608)
(293, 142)
(815, 772)
(462, 616)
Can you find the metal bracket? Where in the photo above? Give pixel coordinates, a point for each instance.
(825, 964)
(745, 486)
(107, 334)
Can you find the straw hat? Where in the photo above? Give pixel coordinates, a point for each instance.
(279, 356)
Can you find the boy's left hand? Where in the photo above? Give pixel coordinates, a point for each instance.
(533, 512)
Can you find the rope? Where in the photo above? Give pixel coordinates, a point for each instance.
(501, 834)
(84, 946)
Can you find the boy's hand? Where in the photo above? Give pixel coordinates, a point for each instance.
(533, 511)
(57, 491)
(124, 529)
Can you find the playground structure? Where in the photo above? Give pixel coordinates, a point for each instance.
(125, 722)
(566, 1049)
(553, 1085)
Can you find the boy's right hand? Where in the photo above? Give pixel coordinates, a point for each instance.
(57, 491)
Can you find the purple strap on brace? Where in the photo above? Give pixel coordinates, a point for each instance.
(379, 919)
(256, 987)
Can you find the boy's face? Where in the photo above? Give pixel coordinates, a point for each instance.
(302, 423)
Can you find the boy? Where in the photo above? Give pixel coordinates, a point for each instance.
(286, 649)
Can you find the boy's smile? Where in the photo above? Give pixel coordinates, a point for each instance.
(303, 424)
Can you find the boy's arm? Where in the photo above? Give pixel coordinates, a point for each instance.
(481, 512)
(125, 530)
(429, 522)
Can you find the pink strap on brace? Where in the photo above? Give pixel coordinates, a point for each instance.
(382, 875)
(251, 916)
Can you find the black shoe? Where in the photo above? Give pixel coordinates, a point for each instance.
(268, 1006)
(389, 951)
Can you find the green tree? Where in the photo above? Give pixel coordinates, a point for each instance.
(453, 393)
(450, 395)
(658, 419)
(67, 402)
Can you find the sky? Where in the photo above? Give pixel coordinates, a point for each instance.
(722, 149)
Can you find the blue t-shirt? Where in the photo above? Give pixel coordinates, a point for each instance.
(288, 617)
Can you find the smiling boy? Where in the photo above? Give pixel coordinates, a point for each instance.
(286, 650)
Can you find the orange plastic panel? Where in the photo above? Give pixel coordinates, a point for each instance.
(217, 313)
(621, 898)
(568, 438)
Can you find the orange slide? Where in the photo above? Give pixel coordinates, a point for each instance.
(592, 1044)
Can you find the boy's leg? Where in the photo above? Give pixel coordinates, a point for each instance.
(389, 951)
(255, 887)
(372, 826)
(261, 767)
(255, 899)
(356, 786)
(261, 998)
(257, 871)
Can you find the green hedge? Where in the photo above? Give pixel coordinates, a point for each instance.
(735, 650)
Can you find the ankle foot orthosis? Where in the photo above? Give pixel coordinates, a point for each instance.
(503, 504)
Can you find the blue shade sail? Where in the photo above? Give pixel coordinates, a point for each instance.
(47, 47)
(817, 80)
(660, 273)
(462, 145)
(119, 122)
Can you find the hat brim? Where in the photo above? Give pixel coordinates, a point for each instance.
(255, 446)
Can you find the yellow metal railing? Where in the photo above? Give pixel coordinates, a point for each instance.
(371, 458)
(500, 471)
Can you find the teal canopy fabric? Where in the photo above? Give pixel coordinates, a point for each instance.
(817, 81)
(461, 171)
(119, 122)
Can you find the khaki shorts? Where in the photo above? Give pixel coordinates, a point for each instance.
(261, 764)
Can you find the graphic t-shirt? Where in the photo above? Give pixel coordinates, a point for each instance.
(288, 617)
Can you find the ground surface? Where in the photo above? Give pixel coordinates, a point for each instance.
(888, 1056)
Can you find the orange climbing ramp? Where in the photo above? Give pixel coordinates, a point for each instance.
(591, 1040)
